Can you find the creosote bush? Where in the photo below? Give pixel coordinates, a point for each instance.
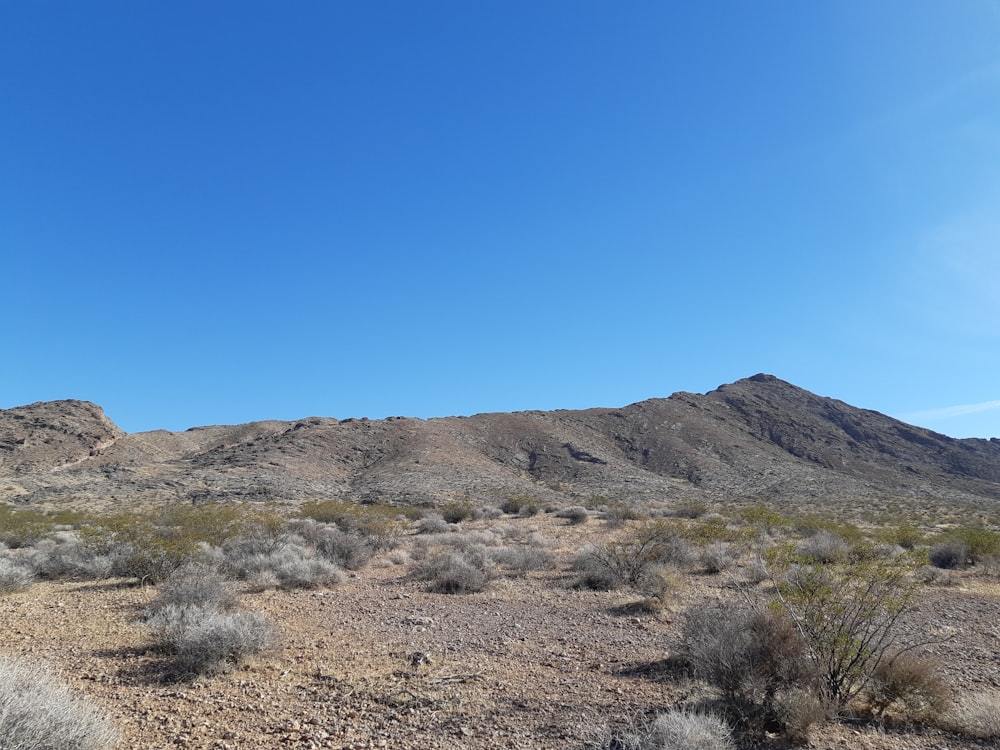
(848, 616)
(38, 712)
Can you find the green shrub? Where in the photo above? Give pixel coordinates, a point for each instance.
(456, 512)
(37, 712)
(980, 542)
(381, 525)
(906, 535)
(848, 616)
(520, 505)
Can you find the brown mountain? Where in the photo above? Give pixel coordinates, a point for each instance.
(757, 439)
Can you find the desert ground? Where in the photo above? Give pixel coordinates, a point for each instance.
(379, 661)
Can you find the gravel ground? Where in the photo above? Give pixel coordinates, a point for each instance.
(378, 662)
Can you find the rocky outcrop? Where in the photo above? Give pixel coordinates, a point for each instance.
(759, 438)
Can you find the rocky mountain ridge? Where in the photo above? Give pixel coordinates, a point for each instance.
(756, 439)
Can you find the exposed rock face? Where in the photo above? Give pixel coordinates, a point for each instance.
(758, 438)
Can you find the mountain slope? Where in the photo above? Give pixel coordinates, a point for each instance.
(758, 438)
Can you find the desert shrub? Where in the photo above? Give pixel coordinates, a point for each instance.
(824, 547)
(204, 641)
(909, 684)
(848, 616)
(906, 535)
(950, 554)
(974, 715)
(747, 655)
(616, 514)
(979, 542)
(519, 561)
(690, 509)
(659, 584)
(674, 729)
(522, 506)
(799, 709)
(575, 514)
(765, 519)
(67, 557)
(382, 526)
(22, 527)
(193, 586)
(682, 729)
(346, 550)
(14, 576)
(37, 712)
(150, 546)
(718, 556)
(433, 523)
(456, 511)
(452, 571)
(626, 560)
(291, 567)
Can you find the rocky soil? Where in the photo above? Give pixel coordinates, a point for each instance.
(379, 662)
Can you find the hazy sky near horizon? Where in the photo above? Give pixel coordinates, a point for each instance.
(222, 211)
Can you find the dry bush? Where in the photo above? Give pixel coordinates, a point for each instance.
(576, 515)
(67, 557)
(193, 586)
(291, 567)
(747, 655)
(625, 561)
(214, 642)
(519, 561)
(433, 523)
(718, 556)
(344, 549)
(799, 710)
(908, 684)
(14, 576)
(37, 712)
(974, 715)
(825, 548)
(950, 554)
(453, 571)
(682, 729)
(674, 729)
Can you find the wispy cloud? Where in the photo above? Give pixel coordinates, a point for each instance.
(948, 412)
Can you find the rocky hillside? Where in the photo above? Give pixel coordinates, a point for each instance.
(757, 439)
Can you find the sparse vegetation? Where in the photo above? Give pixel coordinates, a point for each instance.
(674, 729)
(38, 712)
(575, 514)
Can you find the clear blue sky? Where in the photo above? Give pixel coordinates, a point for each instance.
(223, 211)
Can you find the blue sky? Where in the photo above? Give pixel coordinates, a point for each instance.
(216, 212)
